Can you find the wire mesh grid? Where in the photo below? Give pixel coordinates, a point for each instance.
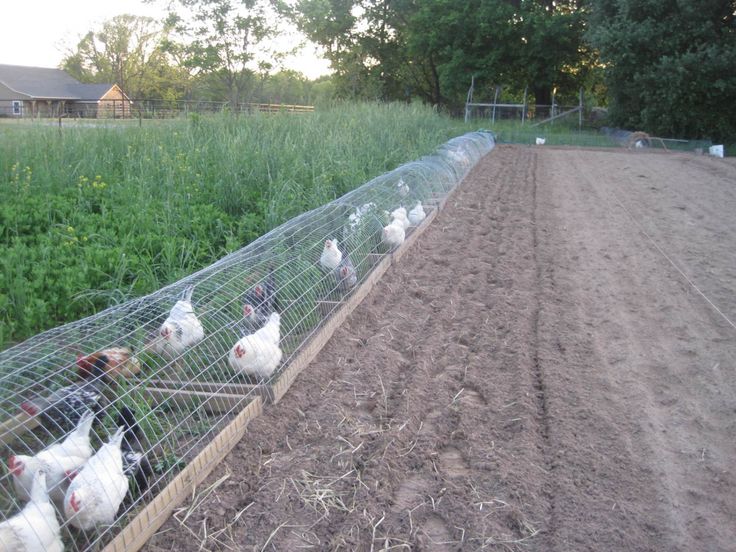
(172, 369)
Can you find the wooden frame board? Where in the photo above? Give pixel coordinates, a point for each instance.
(17, 425)
(204, 386)
(212, 403)
(135, 534)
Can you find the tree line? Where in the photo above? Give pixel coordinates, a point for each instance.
(664, 66)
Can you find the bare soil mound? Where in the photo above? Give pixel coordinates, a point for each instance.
(537, 373)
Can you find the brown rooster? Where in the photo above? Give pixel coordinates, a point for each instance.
(120, 362)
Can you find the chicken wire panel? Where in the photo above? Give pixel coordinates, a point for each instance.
(174, 367)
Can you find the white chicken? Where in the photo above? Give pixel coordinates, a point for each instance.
(460, 157)
(394, 234)
(358, 220)
(35, 528)
(402, 188)
(181, 330)
(400, 215)
(417, 214)
(331, 256)
(57, 462)
(94, 496)
(258, 354)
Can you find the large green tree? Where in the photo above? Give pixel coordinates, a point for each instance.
(128, 50)
(430, 48)
(670, 64)
(220, 42)
(362, 39)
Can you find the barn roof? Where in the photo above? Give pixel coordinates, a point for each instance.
(47, 83)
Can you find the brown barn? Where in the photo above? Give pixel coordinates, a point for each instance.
(45, 92)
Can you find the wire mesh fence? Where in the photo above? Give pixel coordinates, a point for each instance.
(638, 140)
(127, 108)
(97, 416)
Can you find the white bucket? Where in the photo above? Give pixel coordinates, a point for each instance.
(716, 151)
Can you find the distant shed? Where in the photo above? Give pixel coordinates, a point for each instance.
(46, 92)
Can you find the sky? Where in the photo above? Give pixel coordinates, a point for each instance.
(50, 28)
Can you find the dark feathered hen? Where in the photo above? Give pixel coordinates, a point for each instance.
(63, 408)
(258, 304)
(136, 464)
(345, 274)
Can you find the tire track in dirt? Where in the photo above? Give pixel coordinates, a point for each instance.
(540, 385)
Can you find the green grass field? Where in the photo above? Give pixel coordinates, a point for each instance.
(93, 215)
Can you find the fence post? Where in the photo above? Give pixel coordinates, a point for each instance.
(523, 109)
(495, 101)
(469, 99)
(580, 112)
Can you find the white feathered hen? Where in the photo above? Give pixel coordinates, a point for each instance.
(94, 496)
(399, 214)
(258, 354)
(394, 234)
(331, 255)
(356, 218)
(402, 188)
(35, 528)
(181, 330)
(57, 462)
(417, 214)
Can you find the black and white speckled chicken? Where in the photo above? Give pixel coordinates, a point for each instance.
(345, 274)
(62, 409)
(259, 302)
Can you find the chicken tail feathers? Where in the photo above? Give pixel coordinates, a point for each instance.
(85, 423)
(271, 287)
(186, 295)
(117, 438)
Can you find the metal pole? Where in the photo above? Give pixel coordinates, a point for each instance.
(523, 109)
(469, 98)
(495, 101)
(580, 113)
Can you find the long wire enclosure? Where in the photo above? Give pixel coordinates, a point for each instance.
(100, 416)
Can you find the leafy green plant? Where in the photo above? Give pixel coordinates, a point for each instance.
(93, 216)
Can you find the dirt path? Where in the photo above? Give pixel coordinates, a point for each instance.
(533, 375)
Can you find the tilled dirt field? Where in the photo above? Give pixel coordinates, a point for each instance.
(551, 367)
